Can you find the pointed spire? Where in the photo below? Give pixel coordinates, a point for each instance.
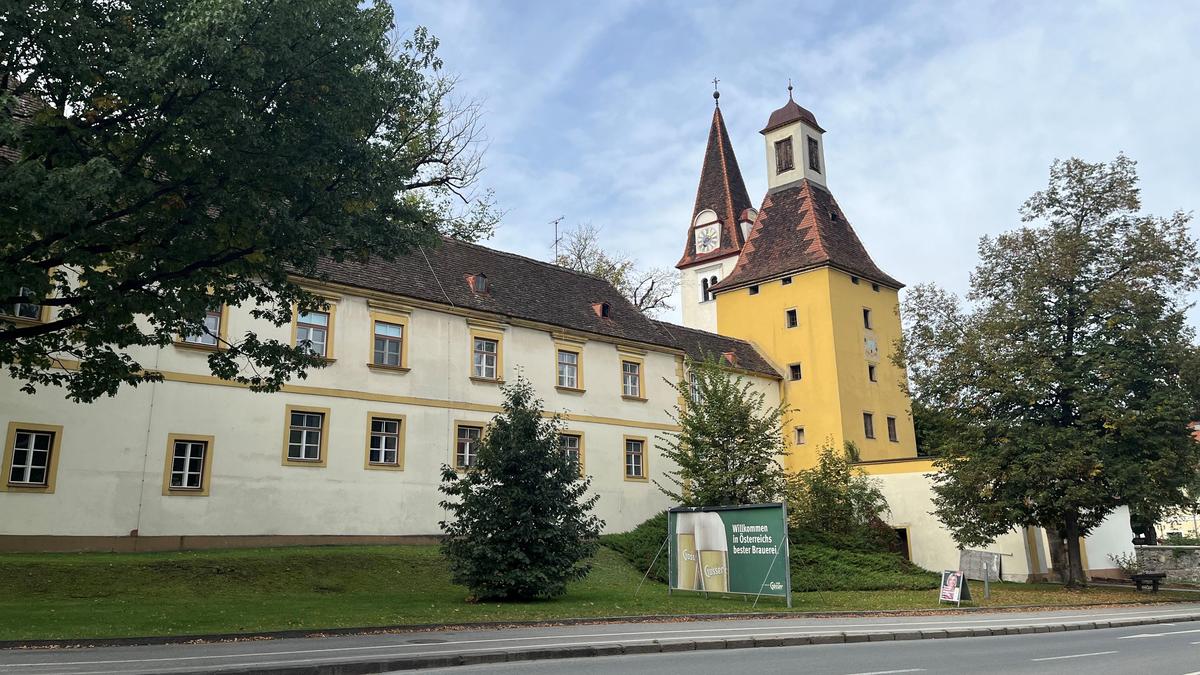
(722, 191)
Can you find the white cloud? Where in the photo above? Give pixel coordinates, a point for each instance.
(942, 117)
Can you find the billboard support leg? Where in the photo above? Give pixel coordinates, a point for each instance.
(660, 549)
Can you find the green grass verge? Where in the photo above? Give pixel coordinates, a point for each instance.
(141, 594)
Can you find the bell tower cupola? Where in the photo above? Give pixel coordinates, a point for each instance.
(795, 146)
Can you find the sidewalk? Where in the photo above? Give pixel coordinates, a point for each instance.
(346, 655)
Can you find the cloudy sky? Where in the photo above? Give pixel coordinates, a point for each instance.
(942, 117)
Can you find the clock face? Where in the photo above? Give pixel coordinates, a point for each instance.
(708, 238)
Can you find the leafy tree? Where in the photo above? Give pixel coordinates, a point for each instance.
(650, 289)
(160, 159)
(729, 445)
(520, 522)
(1061, 389)
(837, 499)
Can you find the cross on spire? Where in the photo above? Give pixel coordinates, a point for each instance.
(789, 88)
(716, 92)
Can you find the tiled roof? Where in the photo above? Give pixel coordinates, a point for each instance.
(524, 288)
(723, 191)
(701, 345)
(801, 227)
(790, 112)
(25, 106)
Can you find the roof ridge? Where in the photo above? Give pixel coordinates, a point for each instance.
(526, 258)
(689, 329)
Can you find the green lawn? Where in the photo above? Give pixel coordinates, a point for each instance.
(142, 594)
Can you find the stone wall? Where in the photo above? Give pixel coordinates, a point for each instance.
(1181, 563)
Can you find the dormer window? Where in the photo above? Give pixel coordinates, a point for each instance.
(478, 282)
(814, 155)
(783, 156)
(602, 309)
(729, 358)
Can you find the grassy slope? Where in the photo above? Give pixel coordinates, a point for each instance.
(105, 595)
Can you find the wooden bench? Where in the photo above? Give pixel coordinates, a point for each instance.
(1152, 578)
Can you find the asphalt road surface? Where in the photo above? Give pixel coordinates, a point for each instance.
(1145, 650)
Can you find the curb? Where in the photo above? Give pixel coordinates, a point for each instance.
(664, 646)
(139, 641)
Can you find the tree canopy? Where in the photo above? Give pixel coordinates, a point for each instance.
(649, 289)
(167, 158)
(730, 443)
(1059, 390)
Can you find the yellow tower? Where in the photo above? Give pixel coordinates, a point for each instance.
(804, 291)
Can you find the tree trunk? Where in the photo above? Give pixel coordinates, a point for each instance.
(1075, 575)
(1058, 553)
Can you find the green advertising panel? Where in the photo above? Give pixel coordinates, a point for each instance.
(730, 549)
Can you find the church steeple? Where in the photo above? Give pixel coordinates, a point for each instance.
(721, 199)
(721, 220)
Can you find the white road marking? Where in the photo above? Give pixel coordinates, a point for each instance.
(1146, 635)
(764, 631)
(1071, 656)
(890, 672)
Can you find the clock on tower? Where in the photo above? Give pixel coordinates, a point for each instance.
(708, 238)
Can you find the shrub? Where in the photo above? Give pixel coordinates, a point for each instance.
(520, 524)
(836, 504)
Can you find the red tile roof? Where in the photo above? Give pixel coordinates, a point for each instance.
(721, 190)
(790, 112)
(798, 228)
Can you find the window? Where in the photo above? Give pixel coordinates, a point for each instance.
(23, 310)
(466, 448)
(307, 436)
(568, 369)
(798, 435)
(814, 155)
(694, 387)
(312, 332)
(209, 330)
(479, 283)
(869, 425)
(791, 320)
(30, 457)
(871, 375)
(635, 458)
(787, 281)
(794, 372)
(189, 465)
(389, 344)
(571, 445)
(783, 155)
(754, 290)
(875, 287)
(631, 379)
(866, 318)
(385, 442)
(704, 290)
(486, 354)
(893, 435)
(854, 280)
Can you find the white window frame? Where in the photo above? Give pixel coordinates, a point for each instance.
(568, 370)
(484, 363)
(29, 466)
(193, 449)
(306, 431)
(315, 332)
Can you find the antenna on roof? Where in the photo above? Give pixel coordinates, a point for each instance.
(557, 238)
(716, 92)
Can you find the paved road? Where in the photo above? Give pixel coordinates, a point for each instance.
(273, 654)
(1148, 650)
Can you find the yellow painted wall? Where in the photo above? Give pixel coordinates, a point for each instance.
(830, 398)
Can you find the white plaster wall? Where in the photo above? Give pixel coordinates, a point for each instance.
(910, 499)
(1113, 537)
(113, 452)
(799, 131)
(697, 314)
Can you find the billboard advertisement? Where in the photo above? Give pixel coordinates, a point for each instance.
(730, 549)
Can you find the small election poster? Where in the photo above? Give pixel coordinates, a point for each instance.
(954, 587)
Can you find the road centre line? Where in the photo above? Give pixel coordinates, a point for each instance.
(1146, 635)
(765, 631)
(890, 672)
(1072, 656)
